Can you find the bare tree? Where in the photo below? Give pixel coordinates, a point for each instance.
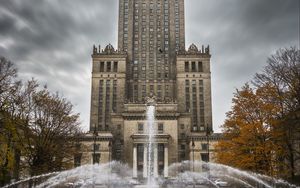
(36, 124)
(49, 130)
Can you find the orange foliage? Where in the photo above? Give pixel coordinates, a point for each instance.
(251, 133)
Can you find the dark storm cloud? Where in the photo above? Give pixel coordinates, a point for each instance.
(51, 40)
(242, 34)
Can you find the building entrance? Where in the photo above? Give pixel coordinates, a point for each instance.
(157, 158)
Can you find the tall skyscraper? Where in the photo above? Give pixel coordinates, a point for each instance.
(151, 32)
(151, 60)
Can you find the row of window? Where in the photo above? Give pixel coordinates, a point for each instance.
(177, 25)
(103, 115)
(159, 90)
(194, 105)
(193, 66)
(160, 128)
(108, 66)
(144, 21)
(140, 155)
(144, 29)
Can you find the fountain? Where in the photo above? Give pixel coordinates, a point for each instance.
(151, 132)
(150, 117)
(118, 175)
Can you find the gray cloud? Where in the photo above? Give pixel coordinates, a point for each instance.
(51, 40)
(242, 34)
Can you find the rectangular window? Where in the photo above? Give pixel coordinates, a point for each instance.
(182, 155)
(186, 66)
(193, 67)
(182, 147)
(205, 157)
(108, 67)
(115, 66)
(96, 147)
(140, 154)
(77, 160)
(200, 83)
(160, 128)
(101, 66)
(114, 100)
(96, 158)
(187, 95)
(140, 127)
(200, 67)
(204, 146)
(160, 158)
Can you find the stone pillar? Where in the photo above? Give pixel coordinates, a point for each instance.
(166, 161)
(134, 161)
(145, 161)
(155, 167)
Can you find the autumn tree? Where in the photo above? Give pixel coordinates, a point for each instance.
(9, 147)
(261, 131)
(283, 73)
(250, 142)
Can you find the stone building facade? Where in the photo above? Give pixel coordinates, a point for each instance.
(151, 59)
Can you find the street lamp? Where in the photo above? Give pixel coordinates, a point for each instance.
(109, 158)
(95, 137)
(193, 148)
(109, 151)
(207, 140)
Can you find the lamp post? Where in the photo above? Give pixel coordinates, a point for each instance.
(109, 158)
(207, 140)
(193, 148)
(95, 137)
(109, 151)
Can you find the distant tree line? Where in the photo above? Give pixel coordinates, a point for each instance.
(262, 130)
(37, 127)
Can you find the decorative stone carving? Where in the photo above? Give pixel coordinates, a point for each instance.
(94, 50)
(109, 49)
(151, 100)
(207, 50)
(193, 48)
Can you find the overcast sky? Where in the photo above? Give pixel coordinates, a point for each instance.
(51, 40)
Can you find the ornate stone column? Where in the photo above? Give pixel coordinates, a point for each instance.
(155, 167)
(134, 161)
(166, 161)
(145, 161)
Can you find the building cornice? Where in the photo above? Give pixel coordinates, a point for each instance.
(144, 138)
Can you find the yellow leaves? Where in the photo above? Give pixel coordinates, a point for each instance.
(6, 157)
(249, 130)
